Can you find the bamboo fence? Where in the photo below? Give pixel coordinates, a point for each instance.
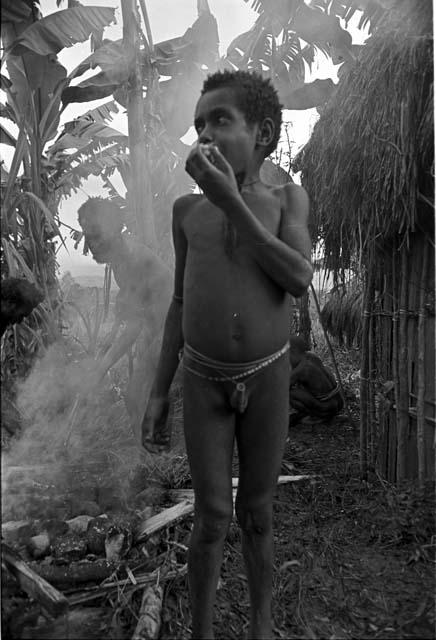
(398, 361)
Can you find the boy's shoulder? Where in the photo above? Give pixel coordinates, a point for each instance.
(290, 190)
(186, 202)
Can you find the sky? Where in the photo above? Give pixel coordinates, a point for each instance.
(168, 19)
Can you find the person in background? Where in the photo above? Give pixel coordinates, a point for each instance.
(144, 282)
(19, 297)
(313, 390)
(241, 248)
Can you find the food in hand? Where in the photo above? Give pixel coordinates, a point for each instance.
(207, 150)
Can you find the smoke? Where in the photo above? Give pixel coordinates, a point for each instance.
(78, 438)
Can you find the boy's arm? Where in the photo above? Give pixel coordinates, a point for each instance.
(154, 428)
(286, 259)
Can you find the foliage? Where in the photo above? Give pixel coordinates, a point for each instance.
(29, 223)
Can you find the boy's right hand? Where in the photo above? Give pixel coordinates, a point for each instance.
(155, 432)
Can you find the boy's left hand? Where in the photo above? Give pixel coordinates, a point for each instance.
(213, 174)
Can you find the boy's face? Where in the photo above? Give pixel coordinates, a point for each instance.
(219, 120)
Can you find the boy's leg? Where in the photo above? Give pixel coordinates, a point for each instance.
(209, 434)
(261, 435)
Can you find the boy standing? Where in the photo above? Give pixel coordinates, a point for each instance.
(240, 247)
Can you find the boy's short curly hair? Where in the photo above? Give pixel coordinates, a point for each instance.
(256, 96)
(108, 214)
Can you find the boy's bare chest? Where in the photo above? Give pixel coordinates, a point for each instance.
(208, 228)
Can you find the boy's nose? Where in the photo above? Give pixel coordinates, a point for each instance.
(205, 136)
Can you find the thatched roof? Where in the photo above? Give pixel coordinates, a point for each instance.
(369, 164)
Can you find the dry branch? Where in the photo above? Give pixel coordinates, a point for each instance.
(100, 591)
(33, 584)
(163, 519)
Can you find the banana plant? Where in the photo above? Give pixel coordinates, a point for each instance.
(30, 233)
(286, 36)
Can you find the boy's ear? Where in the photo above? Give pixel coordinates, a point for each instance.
(265, 133)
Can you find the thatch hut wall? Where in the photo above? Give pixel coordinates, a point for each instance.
(369, 171)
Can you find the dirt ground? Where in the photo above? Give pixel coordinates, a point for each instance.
(354, 558)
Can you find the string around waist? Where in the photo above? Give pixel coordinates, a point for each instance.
(227, 369)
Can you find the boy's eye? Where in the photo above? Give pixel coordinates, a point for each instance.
(221, 120)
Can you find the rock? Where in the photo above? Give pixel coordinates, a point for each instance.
(96, 534)
(53, 527)
(39, 546)
(85, 507)
(17, 532)
(79, 524)
(69, 547)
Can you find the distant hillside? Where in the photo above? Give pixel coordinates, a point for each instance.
(88, 275)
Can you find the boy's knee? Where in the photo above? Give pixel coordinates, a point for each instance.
(254, 519)
(212, 526)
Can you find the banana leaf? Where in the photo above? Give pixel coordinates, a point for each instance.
(6, 137)
(311, 94)
(81, 131)
(62, 29)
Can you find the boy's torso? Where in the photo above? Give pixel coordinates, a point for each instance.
(233, 310)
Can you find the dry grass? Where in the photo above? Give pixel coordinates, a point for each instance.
(370, 159)
(353, 559)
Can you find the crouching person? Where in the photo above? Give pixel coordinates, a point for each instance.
(313, 390)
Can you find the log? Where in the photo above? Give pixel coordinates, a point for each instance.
(33, 584)
(188, 494)
(149, 621)
(74, 572)
(163, 519)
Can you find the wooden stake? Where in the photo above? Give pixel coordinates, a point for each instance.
(403, 378)
(364, 378)
(420, 403)
(393, 450)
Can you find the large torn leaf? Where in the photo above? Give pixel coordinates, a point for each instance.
(33, 80)
(80, 132)
(63, 29)
(312, 94)
(96, 90)
(113, 60)
(315, 26)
